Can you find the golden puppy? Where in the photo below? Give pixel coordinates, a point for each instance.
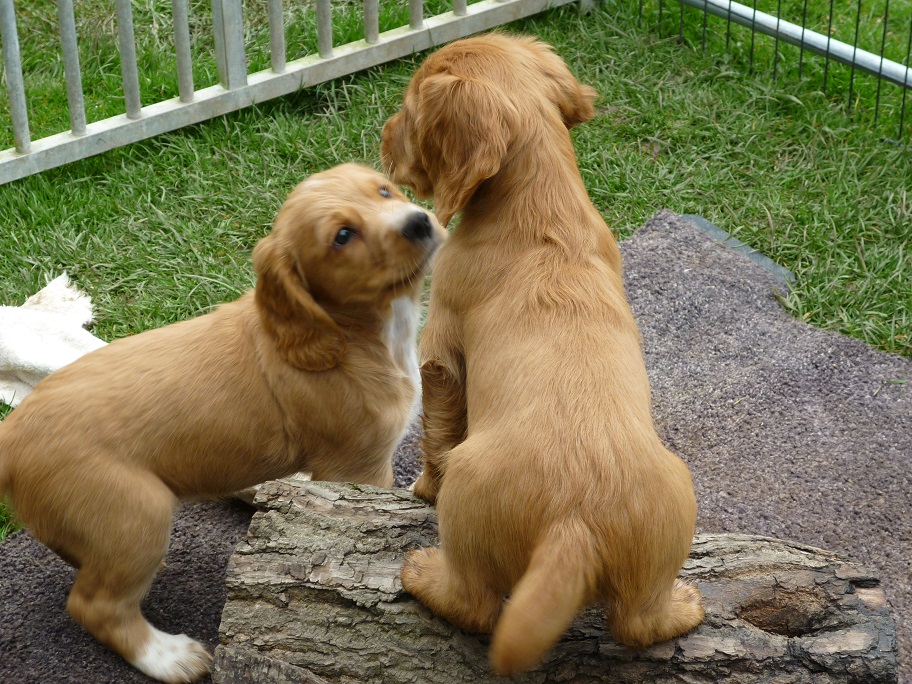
(550, 481)
(315, 369)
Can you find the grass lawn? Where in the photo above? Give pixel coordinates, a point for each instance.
(162, 230)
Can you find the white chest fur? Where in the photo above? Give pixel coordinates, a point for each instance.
(400, 335)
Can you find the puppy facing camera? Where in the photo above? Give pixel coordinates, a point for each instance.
(314, 370)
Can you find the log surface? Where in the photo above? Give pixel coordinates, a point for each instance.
(314, 596)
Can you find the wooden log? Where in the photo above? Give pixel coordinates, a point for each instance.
(314, 596)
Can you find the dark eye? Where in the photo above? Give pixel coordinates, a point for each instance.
(385, 192)
(344, 236)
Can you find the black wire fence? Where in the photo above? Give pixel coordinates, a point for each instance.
(855, 52)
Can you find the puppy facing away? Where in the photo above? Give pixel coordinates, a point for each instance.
(550, 481)
(316, 369)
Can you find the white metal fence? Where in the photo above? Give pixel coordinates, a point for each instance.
(811, 41)
(851, 15)
(237, 88)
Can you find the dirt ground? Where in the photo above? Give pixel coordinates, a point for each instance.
(789, 431)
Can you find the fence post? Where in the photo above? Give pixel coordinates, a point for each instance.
(181, 23)
(228, 24)
(276, 37)
(371, 21)
(416, 14)
(126, 41)
(324, 29)
(67, 23)
(16, 86)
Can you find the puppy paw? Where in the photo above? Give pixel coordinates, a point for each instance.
(173, 658)
(425, 487)
(415, 569)
(686, 593)
(686, 608)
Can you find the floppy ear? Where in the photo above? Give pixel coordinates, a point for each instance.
(305, 335)
(576, 106)
(463, 129)
(573, 99)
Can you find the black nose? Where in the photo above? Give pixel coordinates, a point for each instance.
(418, 227)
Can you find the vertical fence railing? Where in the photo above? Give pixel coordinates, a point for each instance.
(236, 88)
(67, 22)
(12, 64)
(182, 50)
(276, 37)
(806, 40)
(228, 25)
(371, 21)
(324, 29)
(416, 14)
(126, 41)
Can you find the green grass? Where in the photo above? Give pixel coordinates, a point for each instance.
(99, 59)
(871, 104)
(801, 174)
(162, 230)
(7, 524)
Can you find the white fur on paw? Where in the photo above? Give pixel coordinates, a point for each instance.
(173, 658)
(411, 487)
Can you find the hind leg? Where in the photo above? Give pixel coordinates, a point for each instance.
(117, 562)
(673, 613)
(112, 615)
(466, 601)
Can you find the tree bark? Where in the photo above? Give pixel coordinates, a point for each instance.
(314, 596)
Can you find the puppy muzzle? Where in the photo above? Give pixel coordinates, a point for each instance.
(418, 227)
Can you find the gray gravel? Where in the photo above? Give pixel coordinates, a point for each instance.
(789, 431)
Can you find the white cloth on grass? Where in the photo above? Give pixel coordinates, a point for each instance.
(43, 335)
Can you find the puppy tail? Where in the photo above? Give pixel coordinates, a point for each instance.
(544, 602)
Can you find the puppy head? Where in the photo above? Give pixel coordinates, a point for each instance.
(345, 239)
(465, 107)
